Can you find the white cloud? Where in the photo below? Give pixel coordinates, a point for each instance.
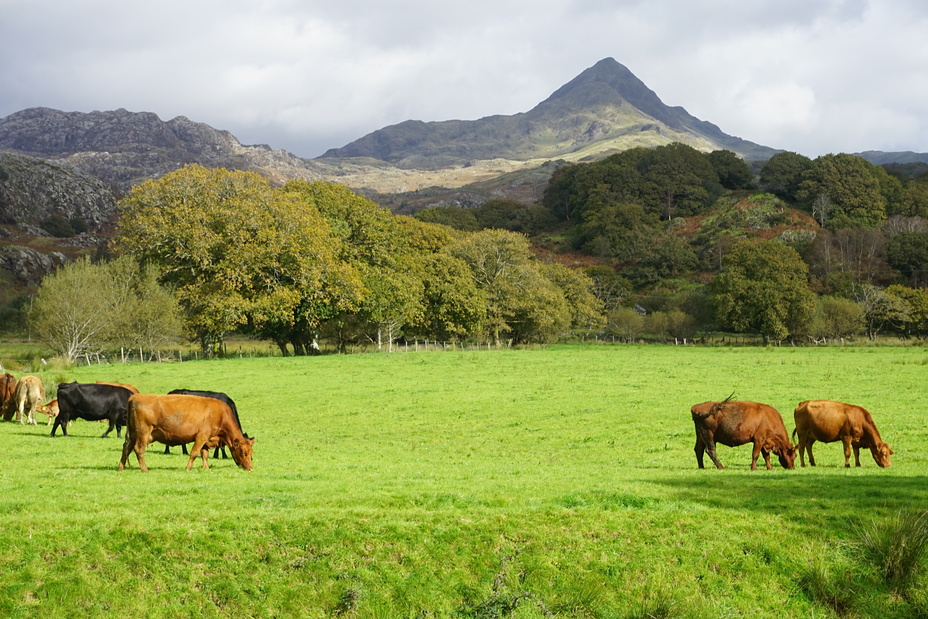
(808, 75)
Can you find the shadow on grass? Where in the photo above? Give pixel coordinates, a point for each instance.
(807, 497)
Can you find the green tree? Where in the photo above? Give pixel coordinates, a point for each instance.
(731, 169)
(375, 243)
(837, 317)
(74, 308)
(764, 288)
(453, 307)
(913, 200)
(914, 319)
(522, 304)
(610, 288)
(586, 310)
(782, 174)
(881, 309)
(86, 307)
(907, 252)
(148, 315)
(624, 323)
(679, 181)
(852, 187)
(514, 216)
(452, 216)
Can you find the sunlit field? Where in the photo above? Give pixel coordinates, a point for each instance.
(549, 482)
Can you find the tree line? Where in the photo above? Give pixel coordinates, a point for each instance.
(688, 242)
(676, 243)
(297, 263)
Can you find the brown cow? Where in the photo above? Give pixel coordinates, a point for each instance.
(178, 419)
(50, 409)
(734, 423)
(29, 395)
(7, 402)
(828, 421)
(129, 387)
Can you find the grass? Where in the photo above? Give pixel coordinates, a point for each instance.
(551, 482)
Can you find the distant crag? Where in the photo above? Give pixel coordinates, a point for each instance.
(124, 148)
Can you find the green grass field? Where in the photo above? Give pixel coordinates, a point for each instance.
(551, 482)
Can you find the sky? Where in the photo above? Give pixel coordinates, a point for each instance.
(809, 76)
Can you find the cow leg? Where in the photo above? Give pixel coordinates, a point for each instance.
(700, 449)
(766, 455)
(857, 454)
(167, 449)
(112, 423)
(809, 449)
(63, 423)
(755, 452)
(847, 451)
(710, 448)
(199, 445)
(126, 448)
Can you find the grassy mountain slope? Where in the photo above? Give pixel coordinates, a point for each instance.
(604, 108)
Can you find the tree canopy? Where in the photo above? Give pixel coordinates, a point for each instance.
(764, 289)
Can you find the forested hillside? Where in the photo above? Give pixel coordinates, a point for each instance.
(675, 234)
(666, 244)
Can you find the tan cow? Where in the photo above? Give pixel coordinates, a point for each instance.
(50, 409)
(733, 423)
(828, 421)
(178, 419)
(123, 385)
(29, 395)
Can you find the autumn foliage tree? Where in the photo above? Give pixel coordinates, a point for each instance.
(240, 254)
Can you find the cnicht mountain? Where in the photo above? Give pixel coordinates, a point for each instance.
(605, 108)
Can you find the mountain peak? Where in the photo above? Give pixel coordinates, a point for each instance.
(609, 82)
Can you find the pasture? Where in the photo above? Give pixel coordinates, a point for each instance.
(550, 482)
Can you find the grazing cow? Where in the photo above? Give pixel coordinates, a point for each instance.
(129, 387)
(29, 395)
(828, 421)
(734, 423)
(217, 395)
(7, 401)
(178, 419)
(50, 409)
(92, 402)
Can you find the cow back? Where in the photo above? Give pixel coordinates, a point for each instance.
(123, 385)
(92, 401)
(29, 388)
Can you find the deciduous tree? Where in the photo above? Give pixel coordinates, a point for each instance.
(764, 289)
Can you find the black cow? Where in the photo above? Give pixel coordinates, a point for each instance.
(216, 395)
(93, 402)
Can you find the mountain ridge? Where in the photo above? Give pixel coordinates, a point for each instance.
(606, 103)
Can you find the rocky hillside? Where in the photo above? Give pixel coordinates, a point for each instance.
(34, 190)
(605, 108)
(124, 148)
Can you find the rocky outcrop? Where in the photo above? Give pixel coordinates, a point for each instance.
(37, 193)
(28, 266)
(124, 148)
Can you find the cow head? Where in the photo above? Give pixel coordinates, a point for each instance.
(881, 454)
(787, 457)
(241, 452)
